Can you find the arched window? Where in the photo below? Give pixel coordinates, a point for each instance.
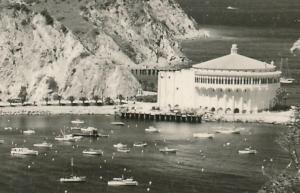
(236, 110)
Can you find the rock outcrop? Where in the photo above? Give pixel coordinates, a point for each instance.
(40, 54)
(146, 31)
(41, 57)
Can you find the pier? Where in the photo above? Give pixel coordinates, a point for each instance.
(172, 117)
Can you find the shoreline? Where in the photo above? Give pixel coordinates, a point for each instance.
(58, 110)
(280, 117)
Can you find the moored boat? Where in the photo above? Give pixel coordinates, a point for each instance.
(123, 150)
(23, 151)
(152, 129)
(44, 144)
(117, 123)
(77, 121)
(68, 137)
(230, 131)
(248, 150)
(92, 151)
(29, 132)
(140, 144)
(120, 145)
(122, 182)
(73, 179)
(75, 128)
(88, 130)
(286, 75)
(203, 135)
(1, 141)
(168, 150)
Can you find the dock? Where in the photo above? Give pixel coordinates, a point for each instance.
(172, 117)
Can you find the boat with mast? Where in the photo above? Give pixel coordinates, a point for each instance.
(67, 137)
(73, 178)
(286, 75)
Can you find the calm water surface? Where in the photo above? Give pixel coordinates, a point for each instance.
(216, 169)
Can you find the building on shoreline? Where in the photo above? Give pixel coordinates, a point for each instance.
(230, 84)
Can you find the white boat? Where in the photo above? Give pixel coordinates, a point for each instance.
(44, 144)
(140, 144)
(73, 178)
(120, 145)
(152, 129)
(29, 132)
(23, 151)
(231, 8)
(247, 150)
(1, 141)
(75, 128)
(117, 123)
(92, 151)
(8, 128)
(122, 182)
(123, 150)
(168, 150)
(77, 121)
(284, 80)
(203, 135)
(230, 131)
(88, 130)
(68, 137)
(286, 75)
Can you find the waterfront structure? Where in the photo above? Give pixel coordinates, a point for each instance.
(230, 84)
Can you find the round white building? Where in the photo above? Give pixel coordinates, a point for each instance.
(230, 84)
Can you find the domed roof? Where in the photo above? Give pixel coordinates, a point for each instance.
(234, 61)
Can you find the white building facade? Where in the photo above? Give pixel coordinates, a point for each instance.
(229, 84)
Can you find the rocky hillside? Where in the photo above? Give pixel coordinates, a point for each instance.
(41, 55)
(146, 31)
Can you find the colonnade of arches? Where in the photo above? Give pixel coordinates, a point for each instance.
(236, 80)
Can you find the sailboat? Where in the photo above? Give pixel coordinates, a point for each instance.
(286, 77)
(73, 178)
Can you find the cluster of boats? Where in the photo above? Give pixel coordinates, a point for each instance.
(120, 147)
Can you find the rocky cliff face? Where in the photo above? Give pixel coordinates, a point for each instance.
(41, 54)
(146, 31)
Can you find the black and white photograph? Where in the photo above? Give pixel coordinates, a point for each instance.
(149, 96)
